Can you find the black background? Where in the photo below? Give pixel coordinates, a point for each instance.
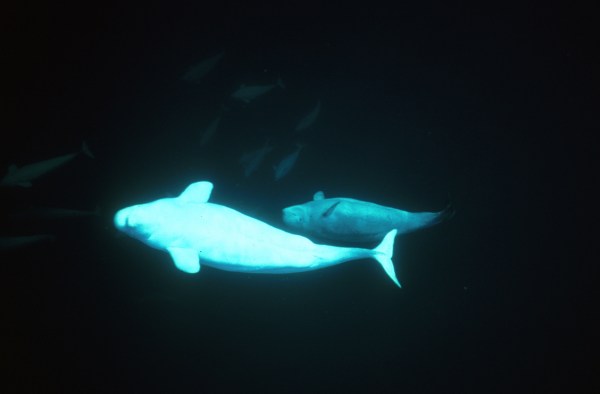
(419, 104)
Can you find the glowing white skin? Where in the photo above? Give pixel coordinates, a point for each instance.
(350, 220)
(193, 230)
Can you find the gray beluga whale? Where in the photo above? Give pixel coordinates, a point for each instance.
(198, 71)
(309, 118)
(247, 93)
(210, 131)
(194, 232)
(53, 213)
(24, 175)
(350, 220)
(285, 165)
(251, 160)
(9, 243)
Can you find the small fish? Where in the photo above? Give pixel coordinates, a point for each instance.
(309, 118)
(252, 160)
(247, 93)
(198, 71)
(286, 164)
(24, 175)
(210, 131)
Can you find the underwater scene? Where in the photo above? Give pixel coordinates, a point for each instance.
(283, 199)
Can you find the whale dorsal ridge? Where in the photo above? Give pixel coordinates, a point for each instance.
(319, 196)
(198, 192)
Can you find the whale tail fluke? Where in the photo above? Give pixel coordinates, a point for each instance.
(384, 253)
(85, 149)
(447, 213)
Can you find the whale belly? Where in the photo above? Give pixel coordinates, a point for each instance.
(236, 242)
(358, 222)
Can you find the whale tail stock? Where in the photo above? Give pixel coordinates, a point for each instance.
(383, 254)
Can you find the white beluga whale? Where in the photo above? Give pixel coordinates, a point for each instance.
(194, 232)
(350, 220)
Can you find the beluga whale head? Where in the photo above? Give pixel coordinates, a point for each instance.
(135, 221)
(296, 217)
(176, 225)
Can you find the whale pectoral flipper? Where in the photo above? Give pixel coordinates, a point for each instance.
(185, 259)
(447, 213)
(329, 210)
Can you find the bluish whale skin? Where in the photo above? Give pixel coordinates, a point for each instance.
(194, 231)
(350, 220)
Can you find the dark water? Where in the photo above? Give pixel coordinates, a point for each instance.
(418, 106)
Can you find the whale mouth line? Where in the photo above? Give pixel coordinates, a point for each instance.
(121, 220)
